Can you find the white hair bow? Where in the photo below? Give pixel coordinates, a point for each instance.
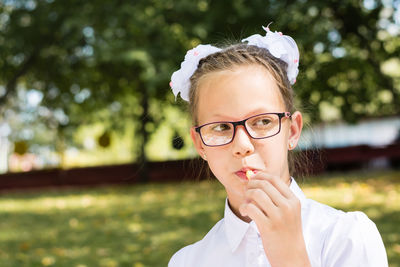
(279, 45)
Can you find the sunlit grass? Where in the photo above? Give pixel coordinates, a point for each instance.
(143, 225)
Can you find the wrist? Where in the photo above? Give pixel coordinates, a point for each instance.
(295, 256)
(298, 259)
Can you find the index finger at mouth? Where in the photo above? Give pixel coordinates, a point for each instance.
(277, 182)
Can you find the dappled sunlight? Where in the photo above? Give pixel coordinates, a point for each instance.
(170, 236)
(48, 204)
(143, 225)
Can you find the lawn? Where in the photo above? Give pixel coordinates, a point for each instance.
(143, 225)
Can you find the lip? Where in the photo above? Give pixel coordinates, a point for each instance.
(242, 172)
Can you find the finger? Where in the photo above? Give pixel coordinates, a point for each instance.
(258, 197)
(277, 182)
(273, 193)
(254, 213)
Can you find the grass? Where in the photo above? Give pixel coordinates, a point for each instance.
(143, 225)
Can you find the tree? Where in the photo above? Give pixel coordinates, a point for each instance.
(111, 60)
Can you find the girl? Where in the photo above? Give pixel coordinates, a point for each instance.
(241, 101)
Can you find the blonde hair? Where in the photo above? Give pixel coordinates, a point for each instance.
(243, 55)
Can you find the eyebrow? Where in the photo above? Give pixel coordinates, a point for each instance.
(254, 112)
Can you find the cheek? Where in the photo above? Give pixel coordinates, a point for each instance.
(273, 155)
(218, 160)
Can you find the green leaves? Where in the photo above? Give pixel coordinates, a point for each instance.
(120, 51)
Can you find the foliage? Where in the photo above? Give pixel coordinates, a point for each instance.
(110, 61)
(143, 225)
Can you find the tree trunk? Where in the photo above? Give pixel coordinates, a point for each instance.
(144, 119)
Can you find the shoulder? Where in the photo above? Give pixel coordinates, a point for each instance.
(341, 238)
(178, 259)
(318, 215)
(355, 226)
(195, 252)
(354, 240)
(331, 219)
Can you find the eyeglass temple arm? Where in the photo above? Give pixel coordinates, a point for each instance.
(286, 115)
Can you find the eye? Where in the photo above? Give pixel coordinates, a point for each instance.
(262, 122)
(220, 127)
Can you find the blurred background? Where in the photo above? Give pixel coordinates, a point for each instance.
(85, 101)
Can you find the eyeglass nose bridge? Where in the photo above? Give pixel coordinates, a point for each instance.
(238, 123)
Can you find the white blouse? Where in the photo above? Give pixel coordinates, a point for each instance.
(333, 238)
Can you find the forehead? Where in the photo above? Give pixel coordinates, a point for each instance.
(237, 93)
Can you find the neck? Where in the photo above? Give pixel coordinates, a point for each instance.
(235, 209)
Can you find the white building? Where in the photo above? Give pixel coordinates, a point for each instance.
(4, 146)
(373, 132)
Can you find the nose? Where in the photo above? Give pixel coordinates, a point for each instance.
(241, 143)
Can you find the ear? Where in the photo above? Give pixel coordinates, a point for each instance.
(295, 128)
(198, 144)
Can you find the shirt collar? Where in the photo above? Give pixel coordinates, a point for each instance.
(235, 228)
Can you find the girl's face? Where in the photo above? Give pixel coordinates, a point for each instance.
(234, 95)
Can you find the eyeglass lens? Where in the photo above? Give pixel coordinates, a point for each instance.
(220, 133)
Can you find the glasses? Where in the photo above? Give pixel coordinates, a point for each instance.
(258, 127)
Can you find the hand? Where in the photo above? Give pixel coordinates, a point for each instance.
(277, 213)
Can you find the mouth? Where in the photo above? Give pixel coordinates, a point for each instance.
(242, 173)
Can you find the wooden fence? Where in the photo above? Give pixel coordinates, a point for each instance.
(189, 170)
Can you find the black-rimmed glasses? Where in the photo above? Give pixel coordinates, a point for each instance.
(258, 127)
